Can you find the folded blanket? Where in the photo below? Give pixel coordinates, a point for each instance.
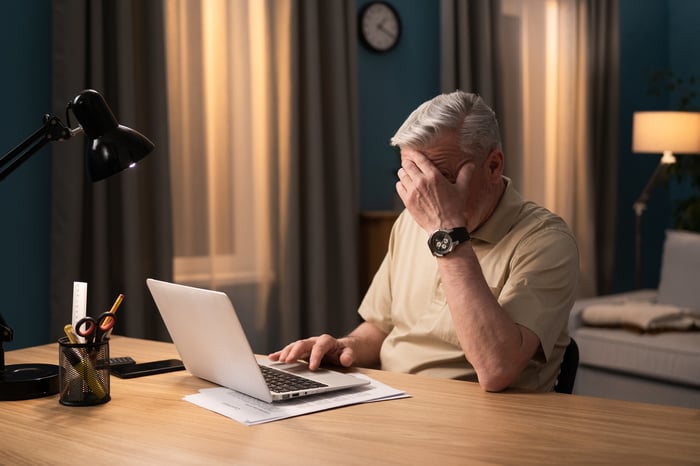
(642, 316)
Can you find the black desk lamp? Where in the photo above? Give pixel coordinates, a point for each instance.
(111, 148)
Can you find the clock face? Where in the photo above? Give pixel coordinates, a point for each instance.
(380, 26)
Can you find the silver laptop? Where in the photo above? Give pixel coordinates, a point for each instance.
(212, 345)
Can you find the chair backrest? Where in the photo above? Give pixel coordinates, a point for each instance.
(568, 368)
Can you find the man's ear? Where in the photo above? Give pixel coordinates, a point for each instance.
(494, 164)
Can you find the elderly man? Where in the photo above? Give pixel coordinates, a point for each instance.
(488, 298)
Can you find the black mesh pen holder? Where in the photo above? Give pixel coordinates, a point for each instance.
(83, 373)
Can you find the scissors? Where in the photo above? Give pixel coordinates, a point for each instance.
(94, 330)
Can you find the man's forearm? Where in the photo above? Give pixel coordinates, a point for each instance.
(493, 343)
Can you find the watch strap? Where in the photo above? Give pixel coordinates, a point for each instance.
(459, 235)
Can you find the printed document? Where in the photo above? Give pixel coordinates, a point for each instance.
(250, 411)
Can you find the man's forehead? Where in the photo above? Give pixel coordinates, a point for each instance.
(436, 152)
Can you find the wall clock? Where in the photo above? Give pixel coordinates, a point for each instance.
(380, 26)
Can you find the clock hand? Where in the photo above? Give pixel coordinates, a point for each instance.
(386, 31)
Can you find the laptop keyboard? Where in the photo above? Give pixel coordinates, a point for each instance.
(281, 382)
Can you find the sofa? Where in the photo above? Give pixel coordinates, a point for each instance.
(644, 345)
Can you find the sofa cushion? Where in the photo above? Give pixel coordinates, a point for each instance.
(637, 296)
(672, 356)
(679, 283)
(644, 317)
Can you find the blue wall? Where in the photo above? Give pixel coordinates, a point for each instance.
(643, 49)
(654, 35)
(25, 35)
(391, 85)
(684, 42)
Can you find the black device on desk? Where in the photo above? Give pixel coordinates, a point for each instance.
(129, 371)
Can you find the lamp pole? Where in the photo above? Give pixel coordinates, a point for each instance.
(640, 206)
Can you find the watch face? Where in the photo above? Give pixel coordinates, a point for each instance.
(440, 243)
(380, 27)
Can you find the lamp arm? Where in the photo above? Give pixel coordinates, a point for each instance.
(641, 203)
(52, 130)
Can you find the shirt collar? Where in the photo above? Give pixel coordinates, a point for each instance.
(503, 217)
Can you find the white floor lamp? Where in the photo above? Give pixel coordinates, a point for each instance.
(667, 133)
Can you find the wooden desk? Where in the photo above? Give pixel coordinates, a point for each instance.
(445, 422)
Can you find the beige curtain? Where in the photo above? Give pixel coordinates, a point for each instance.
(226, 115)
(546, 114)
(550, 70)
(263, 129)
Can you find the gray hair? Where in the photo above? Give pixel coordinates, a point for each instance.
(464, 112)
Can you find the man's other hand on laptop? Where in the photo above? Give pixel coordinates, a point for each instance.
(324, 348)
(359, 348)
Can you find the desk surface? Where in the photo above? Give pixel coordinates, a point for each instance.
(445, 422)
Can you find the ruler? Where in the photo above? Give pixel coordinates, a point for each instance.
(79, 305)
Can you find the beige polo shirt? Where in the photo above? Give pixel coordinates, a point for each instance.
(529, 259)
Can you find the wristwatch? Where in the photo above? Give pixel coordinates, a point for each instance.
(443, 242)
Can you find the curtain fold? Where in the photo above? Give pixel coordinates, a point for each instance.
(470, 57)
(603, 81)
(115, 233)
(325, 145)
(570, 182)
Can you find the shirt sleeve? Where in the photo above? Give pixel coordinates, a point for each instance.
(376, 305)
(541, 287)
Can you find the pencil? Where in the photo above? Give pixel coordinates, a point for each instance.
(115, 306)
(117, 303)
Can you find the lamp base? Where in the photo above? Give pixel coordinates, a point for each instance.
(26, 381)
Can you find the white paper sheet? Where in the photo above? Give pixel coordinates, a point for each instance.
(250, 411)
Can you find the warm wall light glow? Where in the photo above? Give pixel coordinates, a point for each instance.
(218, 116)
(551, 100)
(229, 116)
(546, 113)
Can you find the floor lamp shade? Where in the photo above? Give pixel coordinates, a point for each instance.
(658, 132)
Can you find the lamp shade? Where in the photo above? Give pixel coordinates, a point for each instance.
(111, 147)
(658, 132)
